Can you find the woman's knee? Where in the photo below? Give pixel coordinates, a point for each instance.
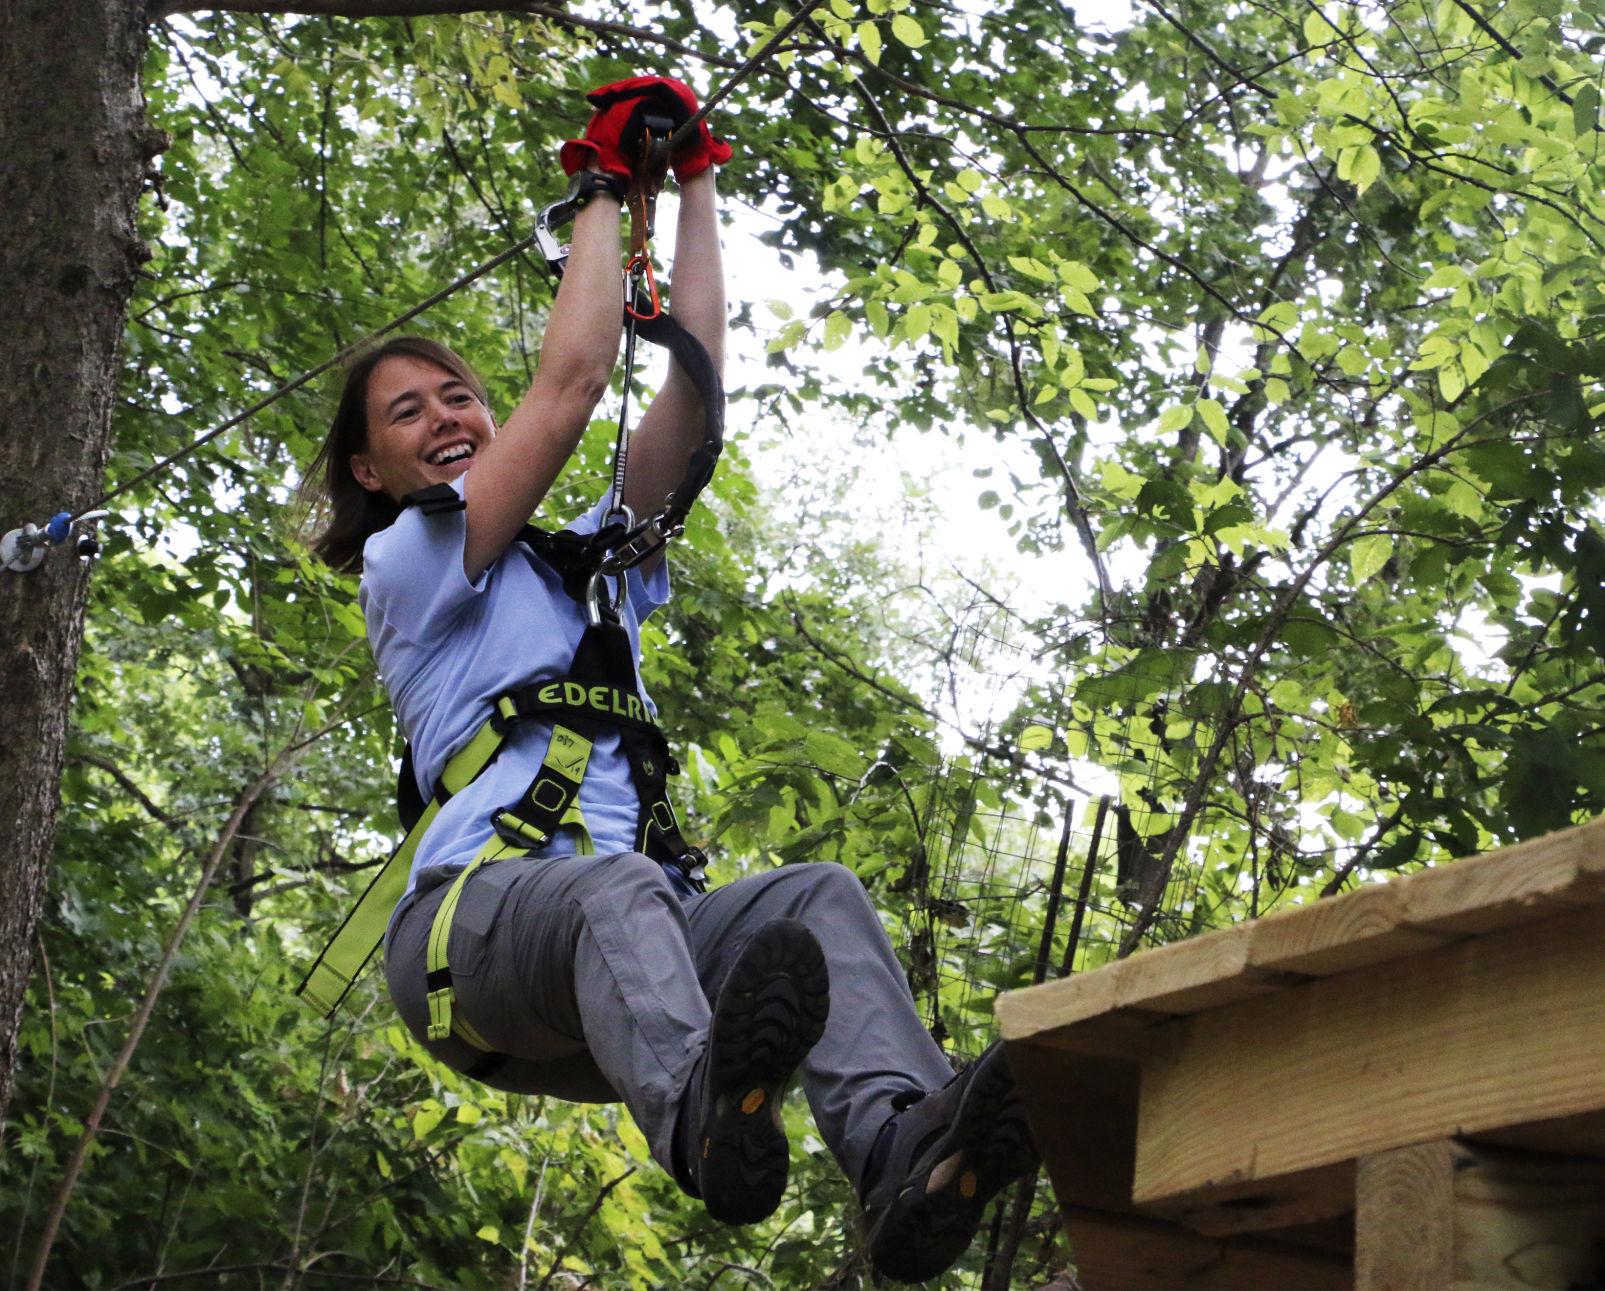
(827, 883)
(630, 872)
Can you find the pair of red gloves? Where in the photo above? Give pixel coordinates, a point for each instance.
(614, 136)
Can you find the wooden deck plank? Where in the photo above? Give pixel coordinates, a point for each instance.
(1340, 935)
(1513, 886)
(1359, 930)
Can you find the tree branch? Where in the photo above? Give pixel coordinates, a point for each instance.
(258, 785)
(579, 1228)
(425, 8)
(132, 789)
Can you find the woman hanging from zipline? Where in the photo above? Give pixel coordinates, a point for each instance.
(554, 935)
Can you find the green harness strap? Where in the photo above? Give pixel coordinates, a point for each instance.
(341, 962)
(547, 804)
(337, 968)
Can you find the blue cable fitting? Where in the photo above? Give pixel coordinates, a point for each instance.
(60, 526)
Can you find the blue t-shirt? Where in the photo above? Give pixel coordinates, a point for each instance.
(446, 647)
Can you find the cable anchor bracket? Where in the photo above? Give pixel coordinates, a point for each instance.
(23, 549)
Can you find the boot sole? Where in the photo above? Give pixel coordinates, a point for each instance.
(932, 1221)
(770, 1013)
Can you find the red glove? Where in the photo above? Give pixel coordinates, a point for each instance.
(613, 138)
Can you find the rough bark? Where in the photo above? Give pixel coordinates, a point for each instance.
(73, 152)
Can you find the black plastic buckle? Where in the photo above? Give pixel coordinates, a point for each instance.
(694, 865)
(436, 499)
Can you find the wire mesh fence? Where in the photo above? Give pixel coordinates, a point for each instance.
(1046, 852)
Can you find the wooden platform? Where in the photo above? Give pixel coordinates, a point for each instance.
(1400, 1089)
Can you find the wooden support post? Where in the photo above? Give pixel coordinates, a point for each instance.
(1451, 1216)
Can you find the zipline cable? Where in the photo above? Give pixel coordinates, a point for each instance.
(268, 400)
(296, 383)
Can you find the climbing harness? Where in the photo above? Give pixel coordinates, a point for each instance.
(599, 690)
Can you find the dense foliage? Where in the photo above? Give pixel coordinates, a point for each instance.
(1298, 309)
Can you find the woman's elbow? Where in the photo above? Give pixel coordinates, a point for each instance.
(580, 385)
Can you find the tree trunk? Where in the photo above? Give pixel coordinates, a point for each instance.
(73, 151)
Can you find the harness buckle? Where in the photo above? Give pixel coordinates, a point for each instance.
(515, 832)
(694, 865)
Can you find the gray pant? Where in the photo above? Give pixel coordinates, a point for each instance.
(595, 979)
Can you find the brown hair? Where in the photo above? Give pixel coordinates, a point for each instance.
(353, 513)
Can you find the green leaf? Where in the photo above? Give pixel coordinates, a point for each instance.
(869, 40)
(1366, 168)
(1368, 555)
(1079, 302)
(1149, 673)
(1176, 417)
(908, 31)
(831, 753)
(997, 302)
(996, 207)
(1448, 276)
(1317, 29)
(1034, 737)
(429, 1114)
(1585, 109)
(1214, 419)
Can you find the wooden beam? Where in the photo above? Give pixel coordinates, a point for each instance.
(1084, 1118)
(1265, 1205)
(1128, 1253)
(1480, 1034)
(1404, 1238)
(1453, 1215)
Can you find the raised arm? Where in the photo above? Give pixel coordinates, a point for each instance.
(671, 427)
(515, 470)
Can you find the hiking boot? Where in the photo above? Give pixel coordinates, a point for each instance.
(770, 1012)
(951, 1151)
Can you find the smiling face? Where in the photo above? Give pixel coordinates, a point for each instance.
(425, 426)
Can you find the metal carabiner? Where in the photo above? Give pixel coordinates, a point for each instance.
(552, 217)
(595, 591)
(640, 267)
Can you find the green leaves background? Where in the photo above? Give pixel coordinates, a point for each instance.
(1297, 314)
